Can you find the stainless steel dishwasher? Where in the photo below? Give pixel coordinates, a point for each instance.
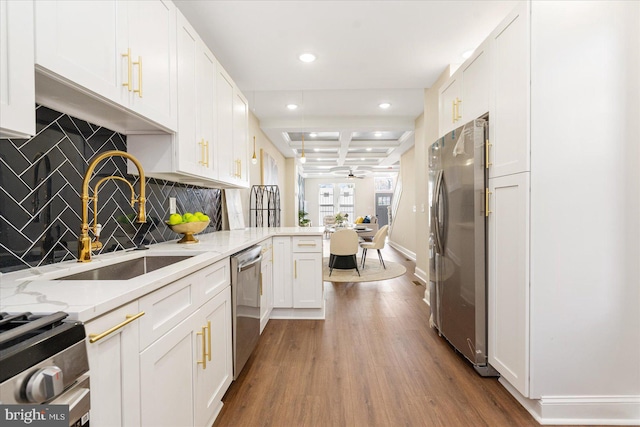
(245, 295)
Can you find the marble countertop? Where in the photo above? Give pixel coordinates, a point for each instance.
(37, 290)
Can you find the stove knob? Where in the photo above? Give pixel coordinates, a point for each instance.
(44, 384)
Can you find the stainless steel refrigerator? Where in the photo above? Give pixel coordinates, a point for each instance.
(457, 243)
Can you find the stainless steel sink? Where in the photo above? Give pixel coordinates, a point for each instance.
(126, 269)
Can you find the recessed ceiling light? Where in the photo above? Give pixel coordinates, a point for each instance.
(313, 134)
(378, 134)
(292, 106)
(362, 159)
(467, 54)
(316, 149)
(307, 57)
(384, 105)
(368, 148)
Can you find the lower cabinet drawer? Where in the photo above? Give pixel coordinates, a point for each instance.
(306, 244)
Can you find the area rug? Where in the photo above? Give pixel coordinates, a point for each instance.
(372, 272)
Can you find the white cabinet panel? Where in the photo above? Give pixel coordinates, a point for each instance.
(240, 139)
(508, 278)
(167, 376)
(115, 369)
(307, 280)
(17, 86)
(282, 272)
(476, 78)
(448, 99)
(214, 380)
(510, 134)
(152, 38)
(83, 42)
(224, 114)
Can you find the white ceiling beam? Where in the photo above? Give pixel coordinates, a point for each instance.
(345, 140)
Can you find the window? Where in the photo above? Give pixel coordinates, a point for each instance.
(334, 198)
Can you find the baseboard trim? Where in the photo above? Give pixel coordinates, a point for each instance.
(404, 251)
(421, 275)
(580, 410)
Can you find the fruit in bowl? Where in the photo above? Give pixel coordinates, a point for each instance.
(188, 224)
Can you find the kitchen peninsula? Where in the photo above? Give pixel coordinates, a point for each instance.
(157, 334)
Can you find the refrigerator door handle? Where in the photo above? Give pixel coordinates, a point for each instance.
(438, 232)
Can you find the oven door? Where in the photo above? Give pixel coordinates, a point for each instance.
(78, 398)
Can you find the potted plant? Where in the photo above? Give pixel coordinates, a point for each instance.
(341, 219)
(302, 221)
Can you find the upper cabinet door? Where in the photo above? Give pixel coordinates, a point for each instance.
(152, 39)
(224, 110)
(17, 87)
(509, 130)
(449, 100)
(240, 139)
(476, 80)
(83, 43)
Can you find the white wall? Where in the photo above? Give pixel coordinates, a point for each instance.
(263, 143)
(585, 203)
(403, 229)
(364, 201)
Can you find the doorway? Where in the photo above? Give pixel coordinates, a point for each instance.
(383, 201)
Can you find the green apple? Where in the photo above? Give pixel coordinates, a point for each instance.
(193, 218)
(175, 219)
(186, 216)
(204, 218)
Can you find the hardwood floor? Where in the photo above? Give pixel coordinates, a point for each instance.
(374, 361)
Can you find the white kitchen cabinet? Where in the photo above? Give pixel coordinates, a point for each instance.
(212, 382)
(508, 278)
(282, 272)
(168, 375)
(115, 369)
(509, 129)
(185, 373)
(227, 166)
(307, 280)
(240, 139)
(125, 54)
(17, 86)
(266, 283)
(152, 40)
(465, 96)
(297, 272)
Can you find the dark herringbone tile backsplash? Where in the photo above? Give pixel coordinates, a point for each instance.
(40, 186)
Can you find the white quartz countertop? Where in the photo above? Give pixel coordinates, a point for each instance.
(37, 290)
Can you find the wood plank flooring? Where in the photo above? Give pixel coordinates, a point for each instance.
(374, 361)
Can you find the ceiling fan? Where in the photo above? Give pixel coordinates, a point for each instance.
(352, 176)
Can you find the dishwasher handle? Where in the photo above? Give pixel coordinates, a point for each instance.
(247, 265)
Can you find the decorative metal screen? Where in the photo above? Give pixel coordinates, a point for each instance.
(264, 210)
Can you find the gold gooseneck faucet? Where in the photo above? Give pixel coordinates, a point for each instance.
(85, 244)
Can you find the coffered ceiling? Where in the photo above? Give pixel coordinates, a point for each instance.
(368, 53)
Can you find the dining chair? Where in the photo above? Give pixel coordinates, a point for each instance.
(343, 244)
(328, 221)
(377, 243)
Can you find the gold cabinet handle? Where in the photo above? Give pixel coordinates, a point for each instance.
(486, 153)
(203, 362)
(306, 244)
(458, 102)
(295, 269)
(130, 318)
(206, 157)
(209, 342)
(139, 64)
(487, 193)
(128, 83)
(453, 111)
(201, 144)
(240, 168)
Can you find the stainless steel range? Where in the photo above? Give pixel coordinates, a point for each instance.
(44, 361)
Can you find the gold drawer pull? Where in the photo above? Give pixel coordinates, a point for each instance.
(209, 343)
(130, 318)
(486, 202)
(307, 244)
(203, 362)
(139, 64)
(128, 83)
